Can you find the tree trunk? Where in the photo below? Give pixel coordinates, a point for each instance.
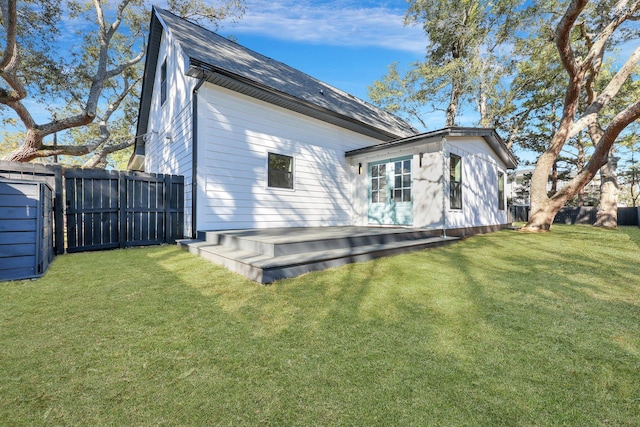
(541, 214)
(554, 179)
(580, 165)
(634, 180)
(29, 149)
(607, 215)
(452, 108)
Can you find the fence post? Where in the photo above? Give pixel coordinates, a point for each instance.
(58, 212)
(166, 197)
(122, 210)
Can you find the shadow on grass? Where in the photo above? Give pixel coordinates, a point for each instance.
(501, 329)
(496, 330)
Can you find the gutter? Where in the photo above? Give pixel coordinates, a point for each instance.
(194, 160)
(443, 143)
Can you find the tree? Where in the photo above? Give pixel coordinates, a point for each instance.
(95, 83)
(630, 175)
(461, 61)
(582, 61)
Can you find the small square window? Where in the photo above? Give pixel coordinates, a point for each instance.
(280, 171)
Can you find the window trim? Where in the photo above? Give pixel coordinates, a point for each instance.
(455, 200)
(291, 172)
(404, 190)
(163, 82)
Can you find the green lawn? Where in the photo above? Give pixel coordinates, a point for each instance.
(504, 329)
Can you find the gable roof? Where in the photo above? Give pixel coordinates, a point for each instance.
(228, 64)
(490, 136)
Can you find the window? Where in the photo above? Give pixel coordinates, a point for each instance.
(402, 181)
(163, 82)
(455, 181)
(280, 171)
(379, 183)
(501, 191)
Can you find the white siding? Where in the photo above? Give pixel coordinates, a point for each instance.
(428, 191)
(479, 185)
(480, 168)
(168, 147)
(235, 135)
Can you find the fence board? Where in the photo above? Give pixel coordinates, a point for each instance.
(628, 216)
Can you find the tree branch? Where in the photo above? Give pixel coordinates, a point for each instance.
(610, 91)
(9, 13)
(563, 35)
(597, 49)
(599, 157)
(123, 66)
(100, 156)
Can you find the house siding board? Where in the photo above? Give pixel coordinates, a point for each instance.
(236, 133)
(174, 119)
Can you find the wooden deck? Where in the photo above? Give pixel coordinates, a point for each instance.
(266, 255)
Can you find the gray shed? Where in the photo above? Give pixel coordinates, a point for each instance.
(26, 229)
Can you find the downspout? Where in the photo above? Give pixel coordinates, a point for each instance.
(194, 161)
(443, 149)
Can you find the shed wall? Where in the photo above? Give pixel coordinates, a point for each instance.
(26, 229)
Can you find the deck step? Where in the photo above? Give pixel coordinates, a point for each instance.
(331, 250)
(279, 242)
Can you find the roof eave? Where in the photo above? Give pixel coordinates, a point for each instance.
(148, 79)
(243, 85)
(489, 135)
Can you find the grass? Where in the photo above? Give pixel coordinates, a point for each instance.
(501, 329)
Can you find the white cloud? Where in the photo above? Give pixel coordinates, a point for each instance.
(338, 23)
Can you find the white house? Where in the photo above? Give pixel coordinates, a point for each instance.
(262, 146)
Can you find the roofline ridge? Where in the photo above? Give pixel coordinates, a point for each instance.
(369, 105)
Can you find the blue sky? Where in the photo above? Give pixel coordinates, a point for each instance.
(345, 43)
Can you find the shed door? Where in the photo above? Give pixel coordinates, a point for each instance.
(390, 192)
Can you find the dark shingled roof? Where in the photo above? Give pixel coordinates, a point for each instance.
(226, 63)
(490, 136)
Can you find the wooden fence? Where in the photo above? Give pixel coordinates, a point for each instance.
(108, 209)
(578, 215)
